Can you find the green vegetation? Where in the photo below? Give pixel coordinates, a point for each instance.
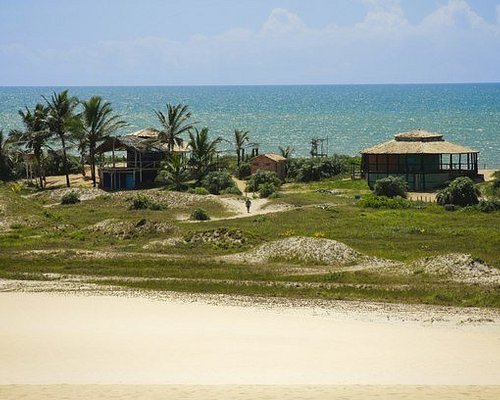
(263, 178)
(218, 181)
(318, 168)
(392, 186)
(70, 198)
(461, 192)
(143, 202)
(200, 214)
(374, 201)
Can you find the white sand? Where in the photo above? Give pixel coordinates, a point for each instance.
(75, 339)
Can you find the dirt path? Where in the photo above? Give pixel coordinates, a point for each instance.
(258, 207)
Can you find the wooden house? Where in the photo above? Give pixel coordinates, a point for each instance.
(269, 162)
(424, 159)
(144, 155)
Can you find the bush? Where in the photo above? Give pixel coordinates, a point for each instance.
(243, 171)
(143, 202)
(315, 169)
(200, 215)
(231, 190)
(267, 189)
(373, 201)
(70, 198)
(199, 190)
(488, 205)
(392, 186)
(216, 181)
(461, 192)
(261, 178)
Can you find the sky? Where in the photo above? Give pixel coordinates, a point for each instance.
(248, 42)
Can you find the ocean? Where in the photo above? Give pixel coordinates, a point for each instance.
(352, 117)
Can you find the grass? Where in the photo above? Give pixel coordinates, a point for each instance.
(399, 234)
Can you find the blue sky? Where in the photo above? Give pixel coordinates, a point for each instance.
(153, 42)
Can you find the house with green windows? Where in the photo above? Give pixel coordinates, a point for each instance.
(424, 159)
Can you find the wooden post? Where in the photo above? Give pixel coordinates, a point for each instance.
(460, 161)
(468, 161)
(451, 161)
(140, 166)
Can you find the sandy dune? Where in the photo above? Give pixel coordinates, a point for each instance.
(76, 339)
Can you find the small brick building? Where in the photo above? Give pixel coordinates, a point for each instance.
(269, 162)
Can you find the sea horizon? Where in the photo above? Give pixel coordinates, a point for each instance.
(351, 116)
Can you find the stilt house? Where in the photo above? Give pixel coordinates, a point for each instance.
(424, 159)
(144, 155)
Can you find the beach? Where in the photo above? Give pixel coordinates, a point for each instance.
(68, 344)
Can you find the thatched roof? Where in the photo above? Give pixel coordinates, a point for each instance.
(142, 141)
(271, 156)
(418, 142)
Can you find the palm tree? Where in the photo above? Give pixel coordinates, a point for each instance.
(240, 138)
(5, 172)
(61, 120)
(35, 136)
(98, 123)
(175, 172)
(173, 125)
(202, 152)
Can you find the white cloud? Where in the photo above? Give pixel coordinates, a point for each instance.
(451, 44)
(282, 21)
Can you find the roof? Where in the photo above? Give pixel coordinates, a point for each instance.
(271, 156)
(418, 142)
(142, 141)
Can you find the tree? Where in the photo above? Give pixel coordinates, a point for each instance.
(34, 137)
(5, 172)
(175, 172)
(202, 152)
(173, 125)
(240, 139)
(286, 151)
(61, 120)
(97, 123)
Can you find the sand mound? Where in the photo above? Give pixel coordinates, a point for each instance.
(55, 195)
(128, 229)
(460, 268)
(303, 249)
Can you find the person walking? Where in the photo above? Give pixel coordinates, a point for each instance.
(248, 204)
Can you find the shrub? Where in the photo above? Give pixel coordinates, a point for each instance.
(461, 192)
(373, 201)
(199, 190)
(315, 169)
(267, 189)
(231, 190)
(243, 171)
(70, 198)
(143, 202)
(261, 178)
(488, 205)
(200, 214)
(392, 186)
(216, 181)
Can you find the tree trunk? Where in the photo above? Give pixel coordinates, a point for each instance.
(39, 165)
(238, 152)
(92, 166)
(65, 160)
